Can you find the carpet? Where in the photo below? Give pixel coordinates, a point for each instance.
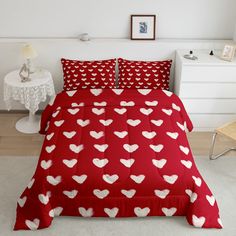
(15, 173)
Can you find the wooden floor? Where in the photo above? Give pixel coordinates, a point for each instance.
(13, 142)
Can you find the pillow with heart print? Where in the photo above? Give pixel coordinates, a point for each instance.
(88, 74)
(144, 74)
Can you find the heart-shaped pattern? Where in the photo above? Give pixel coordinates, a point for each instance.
(197, 181)
(171, 179)
(70, 163)
(46, 164)
(121, 134)
(141, 212)
(146, 111)
(111, 212)
(76, 148)
(83, 123)
(101, 194)
(198, 221)
(73, 111)
(32, 224)
(30, 184)
(69, 135)
(54, 180)
(98, 111)
(169, 211)
(162, 193)
(159, 163)
(130, 148)
(185, 150)
(44, 199)
(96, 135)
(157, 123)
(22, 201)
(187, 164)
(128, 193)
(110, 179)
(86, 212)
(133, 122)
(49, 149)
(138, 179)
(127, 162)
(106, 122)
(101, 148)
(71, 194)
(120, 111)
(157, 148)
(55, 212)
(80, 179)
(210, 199)
(173, 135)
(59, 123)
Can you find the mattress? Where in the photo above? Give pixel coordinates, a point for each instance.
(116, 153)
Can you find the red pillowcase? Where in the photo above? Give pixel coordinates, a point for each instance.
(88, 74)
(144, 74)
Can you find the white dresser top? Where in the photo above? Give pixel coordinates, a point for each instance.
(204, 59)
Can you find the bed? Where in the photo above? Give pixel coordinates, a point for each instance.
(116, 153)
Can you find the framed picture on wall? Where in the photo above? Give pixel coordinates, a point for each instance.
(228, 53)
(143, 27)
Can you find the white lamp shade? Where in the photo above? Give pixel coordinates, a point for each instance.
(29, 52)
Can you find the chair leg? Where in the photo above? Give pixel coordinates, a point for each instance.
(211, 153)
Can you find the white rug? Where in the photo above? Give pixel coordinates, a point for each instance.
(15, 172)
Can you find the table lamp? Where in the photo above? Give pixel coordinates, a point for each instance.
(29, 53)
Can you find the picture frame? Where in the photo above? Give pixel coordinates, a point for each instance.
(143, 27)
(228, 52)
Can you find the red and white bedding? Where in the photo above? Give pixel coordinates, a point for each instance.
(116, 153)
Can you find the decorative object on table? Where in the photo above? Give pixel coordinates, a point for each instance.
(228, 52)
(190, 56)
(24, 73)
(211, 53)
(30, 94)
(84, 37)
(228, 130)
(143, 27)
(29, 54)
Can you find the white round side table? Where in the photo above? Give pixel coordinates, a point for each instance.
(30, 94)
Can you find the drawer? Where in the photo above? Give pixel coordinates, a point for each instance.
(210, 122)
(208, 90)
(210, 106)
(209, 73)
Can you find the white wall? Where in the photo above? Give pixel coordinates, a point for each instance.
(214, 19)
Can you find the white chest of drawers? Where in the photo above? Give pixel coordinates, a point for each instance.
(207, 88)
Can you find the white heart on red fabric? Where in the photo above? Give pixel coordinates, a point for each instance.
(197, 180)
(100, 163)
(138, 179)
(73, 111)
(79, 178)
(32, 225)
(144, 91)
(173, 135)
(30, 184)
(76, 148)
(118, 91)
(70, 163)
(168, 93)
(21, 201)
(106, 122)
(162, 193)
(83, 123)
(198, 221)
(187, 164)
(185, 150)
(59, 123)
(71, 194)
(96, 92)
(110, 179)
(175, 107)
(210, 199)
(44, 199)
(167, 111)
(146, 111)
(149, 135)
(85, 212)
(159, 163)
(133, 122)
(101, 148)
(127, 104)
(46, 164)
(171, 179)
(49, 149)
(156, 148)
(69, 135)
(128, 193)
(111, 212)
(121, 134)
(120, 111)
(193, 196)
(153, 103)
(180, 126)
(49, 136)
(55, 113)
(169, 211)
(98, 111)
(127, 162)
(71, 93)
(101, 194)
(96, 135)
(100, 104)
(53, 180)
(141, 212)
(157, 123)
(130, 148)
(55, 212)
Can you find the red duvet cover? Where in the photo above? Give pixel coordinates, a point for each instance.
(116, 153)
